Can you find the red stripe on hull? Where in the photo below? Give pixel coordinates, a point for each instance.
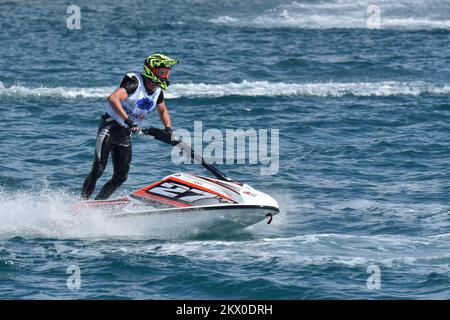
(144, 194)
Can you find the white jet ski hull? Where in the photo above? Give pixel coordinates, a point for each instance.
(238, 215)
(181, 200)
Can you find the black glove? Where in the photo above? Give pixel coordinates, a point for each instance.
(168, 130)
(132, 126)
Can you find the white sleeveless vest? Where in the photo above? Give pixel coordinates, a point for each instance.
(137, 105)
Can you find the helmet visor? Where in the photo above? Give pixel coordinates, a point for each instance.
(162, 73)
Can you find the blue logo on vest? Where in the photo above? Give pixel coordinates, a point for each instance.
(145, 104)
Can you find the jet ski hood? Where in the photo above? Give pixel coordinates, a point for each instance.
(187, 190)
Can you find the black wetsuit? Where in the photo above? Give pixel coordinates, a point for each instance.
(115, 139)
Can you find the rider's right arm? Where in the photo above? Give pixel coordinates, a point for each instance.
(115, 100)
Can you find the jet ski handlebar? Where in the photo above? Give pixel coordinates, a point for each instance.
(169, 138)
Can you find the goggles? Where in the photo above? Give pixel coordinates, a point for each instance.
(162, 73)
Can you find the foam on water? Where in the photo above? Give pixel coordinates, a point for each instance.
(329, 89)
(346, 14)
(19, 90)
(246, 88)
(47, 213)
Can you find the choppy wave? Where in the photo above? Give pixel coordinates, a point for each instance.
(246, 89)
(346, 14)
(387, 250)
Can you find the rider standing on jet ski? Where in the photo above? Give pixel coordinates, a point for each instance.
(126, 108)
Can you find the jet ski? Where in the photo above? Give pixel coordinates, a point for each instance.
(215, 201)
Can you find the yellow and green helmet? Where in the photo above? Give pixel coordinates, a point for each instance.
(157, 69)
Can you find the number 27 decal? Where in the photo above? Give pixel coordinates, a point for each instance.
(173, 190)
